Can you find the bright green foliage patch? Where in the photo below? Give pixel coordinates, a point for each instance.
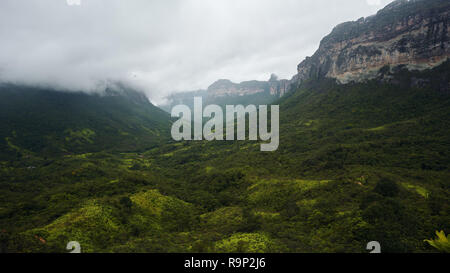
(246, 242)
(89, 225)
(441, 243)
(420, 190)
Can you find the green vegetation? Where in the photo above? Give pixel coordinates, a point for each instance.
(441, 243)
(44, 123)
(356, 163)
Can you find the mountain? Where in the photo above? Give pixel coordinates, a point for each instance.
(356, 161)
(45, 121)
(410, 33)
(223, 88)
(359, 160)
(223, 92)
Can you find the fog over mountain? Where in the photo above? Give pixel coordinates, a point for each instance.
(163, 46)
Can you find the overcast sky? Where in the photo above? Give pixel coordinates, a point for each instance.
(163, 45)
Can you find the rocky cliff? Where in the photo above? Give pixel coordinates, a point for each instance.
(224, 92)
(414, 34)
(278, 87)
(222, 88)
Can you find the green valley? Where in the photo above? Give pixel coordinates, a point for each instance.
(363, 161)
(363, 156)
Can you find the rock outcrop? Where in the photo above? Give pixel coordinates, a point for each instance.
(414, 34)
(223, 88)
(278, 87)
(224, 92)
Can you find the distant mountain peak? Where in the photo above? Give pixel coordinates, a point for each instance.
(223, 83)
(224, 91)
(119, 89)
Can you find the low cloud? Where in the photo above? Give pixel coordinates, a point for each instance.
(163, 46)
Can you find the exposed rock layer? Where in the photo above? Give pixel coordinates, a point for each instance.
(414, 34)
(222, 88)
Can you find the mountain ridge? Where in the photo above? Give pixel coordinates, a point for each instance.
(57, 122)
(358, 161)
(224, 91)
(415, 34)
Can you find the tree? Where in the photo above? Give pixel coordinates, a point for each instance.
(126, 203)
(387, 188)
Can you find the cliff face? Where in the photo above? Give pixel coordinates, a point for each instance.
(278, 87)
(223, 88)
(226, 92)
(412, 33)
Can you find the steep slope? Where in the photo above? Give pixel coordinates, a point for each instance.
(413, 33)
(358, 161)
(48, 122)
(399, 124)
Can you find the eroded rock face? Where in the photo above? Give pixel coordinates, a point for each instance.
(279, 88)
(227, 92)
(412, 33)
(222, 88)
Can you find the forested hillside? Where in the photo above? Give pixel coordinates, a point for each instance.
(48, 122)
(364, 155)
(356, 163)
